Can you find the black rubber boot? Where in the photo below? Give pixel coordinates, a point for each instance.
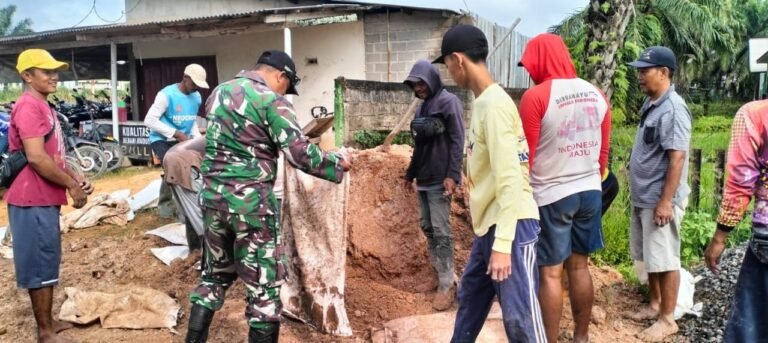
(199, 320)
(268, 334)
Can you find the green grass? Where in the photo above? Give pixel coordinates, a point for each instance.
(9, 94)
(12, 93)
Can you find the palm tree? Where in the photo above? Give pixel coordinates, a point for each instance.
(609, 33)
(6, 23)
(608, 20)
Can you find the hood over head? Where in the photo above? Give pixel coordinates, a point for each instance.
(546, 57)
(425, 71)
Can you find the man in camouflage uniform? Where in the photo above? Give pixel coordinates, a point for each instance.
(249, 122)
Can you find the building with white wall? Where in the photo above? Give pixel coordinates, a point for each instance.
(327, 39)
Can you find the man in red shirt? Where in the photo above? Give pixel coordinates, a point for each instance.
(36, 195)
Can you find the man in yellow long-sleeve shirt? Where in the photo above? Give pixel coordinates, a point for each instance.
(505, 216)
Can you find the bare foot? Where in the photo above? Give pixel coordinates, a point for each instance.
(584, 339)
(658, 331)
(52, 338)
(645, 313)
(59, 326)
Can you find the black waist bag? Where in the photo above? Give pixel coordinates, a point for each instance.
(759, 247)
(11, 166)
(426, 128)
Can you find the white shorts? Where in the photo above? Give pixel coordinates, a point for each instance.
(657, 246)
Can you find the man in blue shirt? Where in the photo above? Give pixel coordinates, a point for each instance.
(171, 119)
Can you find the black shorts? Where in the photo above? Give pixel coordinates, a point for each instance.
(160, 148)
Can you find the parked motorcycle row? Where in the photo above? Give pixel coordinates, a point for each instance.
(92, 153)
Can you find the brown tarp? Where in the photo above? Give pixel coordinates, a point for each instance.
(437, 327)
(132, 308)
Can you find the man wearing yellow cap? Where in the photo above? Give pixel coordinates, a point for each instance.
(171, 119)
(40, 189)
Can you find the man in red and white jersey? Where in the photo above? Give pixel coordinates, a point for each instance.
(567, 123)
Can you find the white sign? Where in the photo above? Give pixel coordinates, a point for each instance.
(757, 48)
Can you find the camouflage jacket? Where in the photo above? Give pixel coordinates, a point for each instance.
(247, 124)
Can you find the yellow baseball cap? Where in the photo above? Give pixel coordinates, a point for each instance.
(38, 58)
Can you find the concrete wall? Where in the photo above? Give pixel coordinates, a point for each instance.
(370, 105)
(395, 41)
(140, 11)
(338, 49)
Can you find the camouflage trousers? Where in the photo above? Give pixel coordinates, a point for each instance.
(245, 246)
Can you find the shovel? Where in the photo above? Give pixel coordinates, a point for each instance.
(399, 126)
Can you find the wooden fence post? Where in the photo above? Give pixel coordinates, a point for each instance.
(719, 176)
(610, 158)
(696, 179)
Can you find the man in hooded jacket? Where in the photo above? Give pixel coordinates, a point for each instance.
(438, 131)
(567, 123)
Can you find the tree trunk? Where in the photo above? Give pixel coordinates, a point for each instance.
(606, 29)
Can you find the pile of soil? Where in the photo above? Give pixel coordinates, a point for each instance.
(388, 271)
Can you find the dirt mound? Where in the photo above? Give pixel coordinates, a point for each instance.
(388, 270)
(386, 243)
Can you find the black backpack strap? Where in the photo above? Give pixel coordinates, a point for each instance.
(53, 125)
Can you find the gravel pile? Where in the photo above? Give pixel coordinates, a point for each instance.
(716, 292)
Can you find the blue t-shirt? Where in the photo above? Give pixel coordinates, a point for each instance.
(181, 112)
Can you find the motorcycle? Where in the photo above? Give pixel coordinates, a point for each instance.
(84, 110)
(88, 155)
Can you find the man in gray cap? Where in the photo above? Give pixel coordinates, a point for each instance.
(659, 190)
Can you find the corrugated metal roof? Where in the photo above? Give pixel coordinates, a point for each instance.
(332, 5)
(173, 22)
(382, 4)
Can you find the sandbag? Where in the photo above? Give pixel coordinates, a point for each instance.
(437, 327)
(101, 209)
(314, 230)
(132, 308)
(175, 233)
(685, 304)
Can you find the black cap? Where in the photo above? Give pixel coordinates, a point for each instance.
(282, 62)
(461, 38)
(656, 56)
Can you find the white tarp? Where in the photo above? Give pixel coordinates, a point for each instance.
(685, 304)
(147, 197)
(168, 254)
(175, 233)
(314, 229)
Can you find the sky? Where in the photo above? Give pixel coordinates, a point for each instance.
(536, 15)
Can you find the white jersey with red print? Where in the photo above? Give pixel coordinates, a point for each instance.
(567, 124)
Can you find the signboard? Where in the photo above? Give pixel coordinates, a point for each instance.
(757, 48)
(134, 138)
